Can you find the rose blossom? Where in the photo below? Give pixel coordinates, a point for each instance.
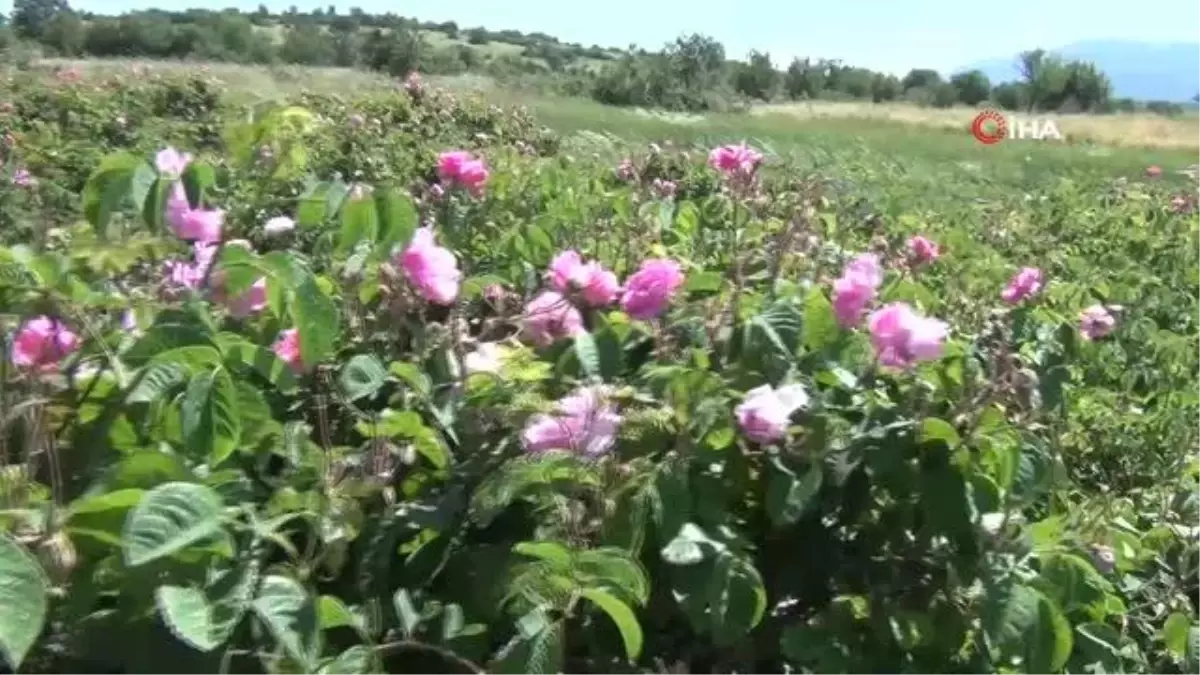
(764, 413)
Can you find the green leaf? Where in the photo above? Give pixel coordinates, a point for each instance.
(316, 320)
(1175, 634)
(109, 187)
(538, 652)
(820, 323)
(209, 416)
(622, 616)
(736, 597)
(704, 282)
(406, 612)
(291, 615)
(1020, 621)
(23, 601)
(206, 618)
(588, 354)
(397, 218)
(934, 429)
(789, 496)
(357, 660)
(197, 178)
(262, 360)
(616, 569)
(169, 518)
(1191, 655)
(359, 223)
(333, 613)
(155, 206)
(362, 376)
(157, 382)
(688, 546)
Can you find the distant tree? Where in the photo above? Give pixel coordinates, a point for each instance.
(1009, 95)
(29, 17)
(804, 80)
(920, 77)
(971, 87)
(757, 78)
(65, 34)
(885, 88)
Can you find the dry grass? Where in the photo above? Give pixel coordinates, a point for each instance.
(1141, 130)
(273, 82)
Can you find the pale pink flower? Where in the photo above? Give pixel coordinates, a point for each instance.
(649, 290)
(665, 189)
(584, 422)
(735, 160)
(287, 348)
(202, 225)
(41, 343)
(764, 413)
(412, 82)
(494, 293)
(1096, 322)
(171, 163)
(625, 170)
(902, 337)
(1153, 171)
(597, 286)
(488, 357)
(278, 225)
(1024, 284)
(856, 289)
(430, 268)
(179, 275)
(22, 178)
(459, 167)
(923, 251)
(251, 301)
(550, 316)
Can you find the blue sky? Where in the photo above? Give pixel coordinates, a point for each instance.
(880, 34)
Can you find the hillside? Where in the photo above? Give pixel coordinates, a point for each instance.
(1138, 70)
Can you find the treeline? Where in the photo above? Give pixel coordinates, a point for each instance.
(693, 73)
(322, 37)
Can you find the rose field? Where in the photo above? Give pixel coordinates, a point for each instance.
(412, 380)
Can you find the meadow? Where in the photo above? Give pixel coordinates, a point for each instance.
(312, 370)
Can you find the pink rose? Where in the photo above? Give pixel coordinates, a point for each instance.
(649, 290)
(41, 343)
(202, 225)
(431, 269)
(287, 348)
(902, 337)
(251, 301)
(1024, 284)
(459, 167)
(922, 250)
(584, 422)
(1096, 322)
(856, 289)
(597, 286)
(171, 163)
(735, 160)
(550, 317)
(764, 414)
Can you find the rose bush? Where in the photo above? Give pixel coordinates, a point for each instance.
(429, 403)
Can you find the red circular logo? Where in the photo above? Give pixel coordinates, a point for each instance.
(989, 127)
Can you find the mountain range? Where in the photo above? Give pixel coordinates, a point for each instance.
(1144, 71)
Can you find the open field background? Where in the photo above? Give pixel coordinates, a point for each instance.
(1147, 138)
